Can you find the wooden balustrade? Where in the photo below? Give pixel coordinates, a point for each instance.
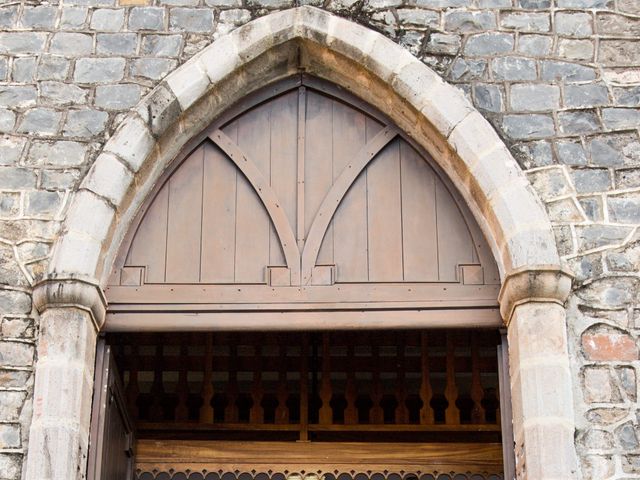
(313, 385)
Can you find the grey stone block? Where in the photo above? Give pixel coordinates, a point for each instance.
(235, 16)
(107, 20)
(7, 120)
(550, 183)
(574, 24)
(469, 21)
(288, 3)
(489, 44)
(621, 118)
(4, 68)
(596, 236)
(40, 121)
(627, 178)
(71, 43)
(488, 97)
(59, 93)
(9, 204)
(535, 45)
(513, 69)
(571, 153)
(442, 43)
(22, 42)
(116, 43)
(53, 67)
(58, 154)
(146, 18)
(85, 123)
(191, 19)
(566, 72)
(592, 207)
(533, 154)
(587, 95)
(534, 97)
(614, 150)
(9, 433)
(418, 17)
(526, 21)
(24, 69)
(223, 3)
(528, 126)
(627, 96)
(619, 52)
(117, 97)
(624, 209)
(17, 95)
(184, 3)
(591, 180)
(73, 18)
(576, 49)
(534, 4)
(11, 148)
(15, 178)
(494, 3)
(162, 45)
(42, 202)
(152, 68)
(578, 122)
(468, 69)
(583, 3)
(42, 17)
(618, 25)
(8, 16)
(443, 3)
(59, 179)
(99, 70)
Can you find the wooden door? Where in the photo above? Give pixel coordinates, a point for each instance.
(111, 443)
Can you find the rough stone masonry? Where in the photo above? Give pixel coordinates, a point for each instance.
(558, 79)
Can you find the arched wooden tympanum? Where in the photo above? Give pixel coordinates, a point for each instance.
(302, 199)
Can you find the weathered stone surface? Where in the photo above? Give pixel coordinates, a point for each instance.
(152, 68)
(586, 95)
(534, 98)
(621, 118)
(578, 122)
(107, 19)
(85, 123)
(513, 69)
(116, 43)
(191, 19)
(571, 153)
(604, 343)
(566, 72)
(40, 122)
(59, 93)
(528, 126)
(146, 18)
(535, 45)
(161, 45)
(71, 44)
(526, 21)
(589, 180)
(99, 70)
(117, 97)
(487, 44)
(624, 208)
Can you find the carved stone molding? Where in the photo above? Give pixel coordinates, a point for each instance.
(72, 293)
(544, 284)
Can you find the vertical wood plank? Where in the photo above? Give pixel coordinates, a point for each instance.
(376, 414)
(426, 392)
(149, 246)
(452, 414)
(231, 413)
(300, 170)
(218, 217)
(252, 221)
(402, 412)
(283, 154)
(350, 219)
(385, 216)
(419, 229)
(206, 393)
(304, 389)
(185, 221)
(319, 165)
(282, 393)
(454, 241)
(326, 393)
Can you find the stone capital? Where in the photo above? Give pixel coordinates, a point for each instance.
(84, 294)
(540, 283)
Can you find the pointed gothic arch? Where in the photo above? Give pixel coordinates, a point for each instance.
(434, 114)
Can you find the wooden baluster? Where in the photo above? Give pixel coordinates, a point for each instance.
(401, 413)
(256, 414)
(452, 414)
(156, 412)
(182, 408)
(351, 392)
(133, 389)
(326, 412)
(282, 411)
(206, 410)
(304, 389)
(231, 413)
(477, 392)
(426, 392)
(376, 414)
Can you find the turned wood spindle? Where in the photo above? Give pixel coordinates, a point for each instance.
(206, 410)
(156, 412)
(376, 414)
(256, 414)
(477, 392)
(326, 393)
(452, 414)
(426, 391)
(351, 393)
(282, 411)
(231, 413)
(304, 389)
(402, 412)
(182, 408)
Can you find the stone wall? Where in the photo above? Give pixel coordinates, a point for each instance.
(558, 79)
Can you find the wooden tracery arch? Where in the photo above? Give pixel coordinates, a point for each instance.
(303, 201)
